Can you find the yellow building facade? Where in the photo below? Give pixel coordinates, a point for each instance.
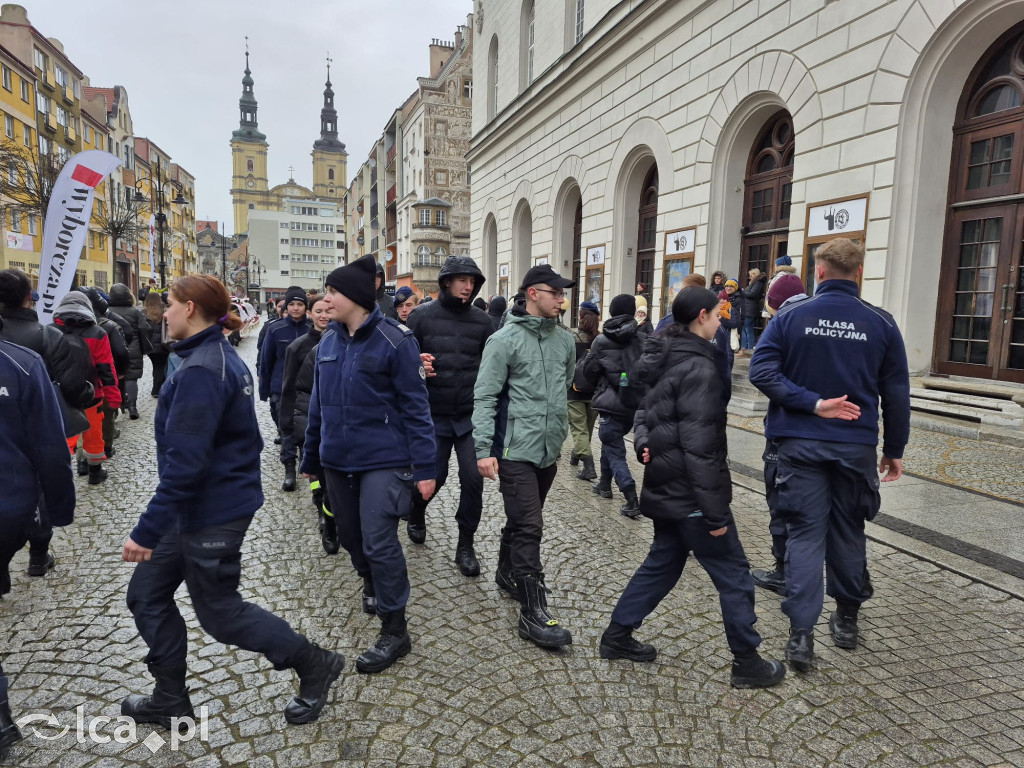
(21, 241)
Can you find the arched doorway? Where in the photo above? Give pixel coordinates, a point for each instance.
(522, 245)
(768, 191)
(980, 326)
(577, 264)
(647, 234)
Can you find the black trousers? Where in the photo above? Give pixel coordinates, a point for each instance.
(524, 487)
(776, 523)
(471, 496)
(13, 535)
(159, 361)
(209, 561)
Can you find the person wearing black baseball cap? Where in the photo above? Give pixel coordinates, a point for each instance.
(369, 431)
(520, 422)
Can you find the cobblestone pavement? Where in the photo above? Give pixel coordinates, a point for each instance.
(936, 681)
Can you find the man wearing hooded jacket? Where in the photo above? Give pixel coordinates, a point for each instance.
(452, 333)
(384, 302)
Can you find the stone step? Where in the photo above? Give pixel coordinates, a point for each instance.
(976, 388)
(995, 412)
(742, 405)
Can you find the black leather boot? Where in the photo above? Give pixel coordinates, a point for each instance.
(465, 557)
(40, 561)
(109, 451)
(169, 699)
(317, 670)
(603, 487)
(9, 732)
(574, 459)
(535, 623)
(97, 474)
(417, 525)
(618, 642)
(392, 644)
(843, 624)
(503, 575)
(289, 476)
(588, 472)
(369, 596)
(772, 580)
(751, 671)
(800, 649)
(329, 533)
(631, 508)
(133, 410)
(83, 467)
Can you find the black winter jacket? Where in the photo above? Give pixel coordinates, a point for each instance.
(123, 303)
(69, 365)
(455, 334)
(614, 352)
(583, 341)
(752, 298)
(297, 385)
(682, 422)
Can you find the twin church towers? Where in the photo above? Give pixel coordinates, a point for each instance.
(250, 188)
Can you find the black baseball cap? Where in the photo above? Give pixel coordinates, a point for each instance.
(544, 274)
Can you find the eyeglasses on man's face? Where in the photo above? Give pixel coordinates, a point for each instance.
(556, 294)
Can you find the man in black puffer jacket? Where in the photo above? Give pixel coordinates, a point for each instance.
(122, 361)
(451, 333)
(605, 371)
(122, 303)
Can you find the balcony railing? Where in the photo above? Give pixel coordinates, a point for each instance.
(432, 260)
(391, 153)
(392, 193)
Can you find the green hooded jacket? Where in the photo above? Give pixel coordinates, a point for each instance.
(520, 395)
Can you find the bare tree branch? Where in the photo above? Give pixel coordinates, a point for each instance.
(27, 179)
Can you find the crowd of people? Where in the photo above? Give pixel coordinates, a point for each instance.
(371, 394)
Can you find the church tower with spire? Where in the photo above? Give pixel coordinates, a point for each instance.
(330, 159)
(249, 182)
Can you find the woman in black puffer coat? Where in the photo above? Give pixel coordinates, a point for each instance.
(680, 437)
(160, 349)
(122, 303)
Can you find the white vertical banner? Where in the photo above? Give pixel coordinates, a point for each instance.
(67, 221)
(152, 236)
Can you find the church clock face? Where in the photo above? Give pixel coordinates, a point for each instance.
(250, 183)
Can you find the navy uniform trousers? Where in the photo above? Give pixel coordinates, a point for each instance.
(367, 507)
(209, 561)
(721, 556)
(825, 493)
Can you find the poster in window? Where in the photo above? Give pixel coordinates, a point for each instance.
(595, 286)
(675, 271)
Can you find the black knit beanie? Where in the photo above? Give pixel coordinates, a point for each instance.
(295, 294)
(357, 281)
(690, 301)
(623, 304)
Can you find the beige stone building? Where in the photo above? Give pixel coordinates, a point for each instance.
(630, 142)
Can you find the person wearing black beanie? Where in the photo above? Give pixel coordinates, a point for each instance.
(606, 371)
(680, 437)
(370, 433)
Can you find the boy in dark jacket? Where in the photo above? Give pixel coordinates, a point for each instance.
(605, 371)
(122, 305)
(681, 438)
(451, 333)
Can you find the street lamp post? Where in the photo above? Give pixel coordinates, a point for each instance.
(160, 216)
(259, 271)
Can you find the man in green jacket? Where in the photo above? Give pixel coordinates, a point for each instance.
(520, 421)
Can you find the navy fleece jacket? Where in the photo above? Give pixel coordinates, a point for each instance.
(830, 345)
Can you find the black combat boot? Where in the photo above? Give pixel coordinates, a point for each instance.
(289, 476)
(9, 732)
(329, 533)
(83, 467)
(133, 410)
(97, 474)
(317, 670)
(843, 623)
(574, 459)
(169, 698)
(40, 561)
(603, 487)
(465, 557)
(109, 451)
(618, 642)
(751, 671)
(631, 508)
(772, 580)
(503, 575)
(800, 649)
(535, 623)
(369, 596)
(392, 644)
(417, 525)
(588, 472)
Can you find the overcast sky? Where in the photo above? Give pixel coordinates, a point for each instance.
(182, 63)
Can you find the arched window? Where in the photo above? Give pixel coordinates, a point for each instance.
(330, 174)
(769, 191)
(647, 232)
(249, 165)
(980, 327)
(492, 79)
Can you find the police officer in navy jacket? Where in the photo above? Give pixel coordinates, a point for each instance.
(370, 432)
(825, 363)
